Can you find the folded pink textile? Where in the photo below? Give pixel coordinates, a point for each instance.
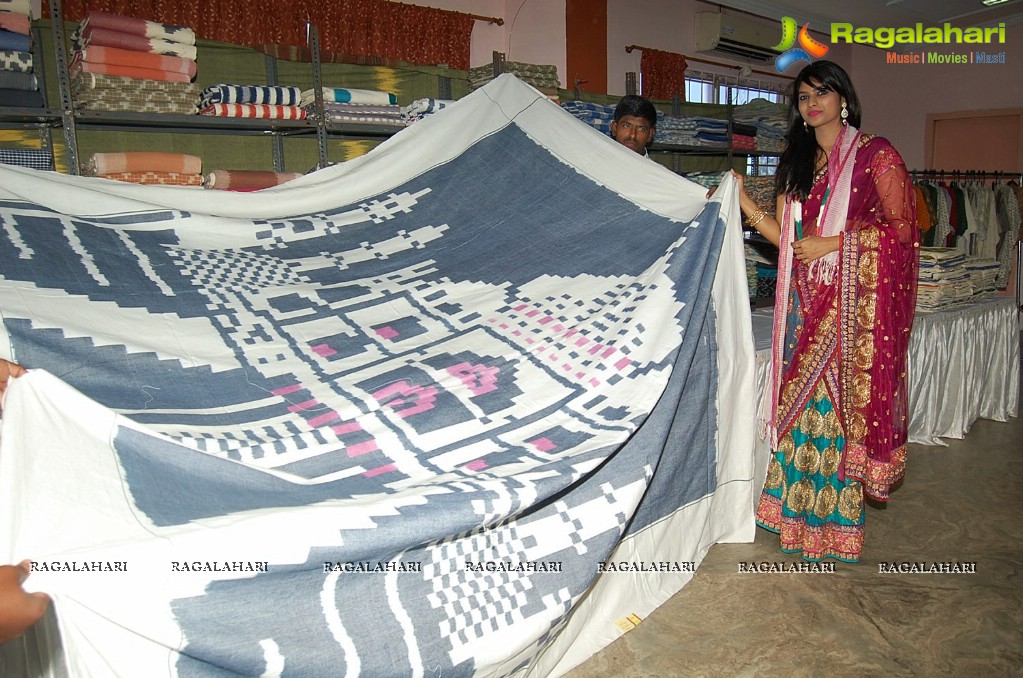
(142, 27)
(79, 66)
(104, 37)
(247, 180)
(143, 161)
(125, 57)
(15, 23)
(268, 111)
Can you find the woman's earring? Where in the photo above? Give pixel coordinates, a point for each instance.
(806, 128)
(845, 114)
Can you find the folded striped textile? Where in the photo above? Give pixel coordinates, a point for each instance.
(14, 41)
(22, 81)
(350, 96)
(17, 6)
(425, 106)
(275, 95)
(266, 111)
(155, 177)
(19, 62)
(246, 180)
(126, 57)
(36, 158)
(102, 37)
(538, 75)
(357, 119)
(365, 114)
(126, 71)
(142, 161)
(141, 27)
(89, 81)
(359, 109)
(20, 98)
(135, 101)
(15, 23)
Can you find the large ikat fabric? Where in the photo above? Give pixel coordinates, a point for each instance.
(416, 415)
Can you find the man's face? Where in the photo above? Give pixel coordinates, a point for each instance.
(632, 131)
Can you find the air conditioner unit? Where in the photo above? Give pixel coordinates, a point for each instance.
(736, 36)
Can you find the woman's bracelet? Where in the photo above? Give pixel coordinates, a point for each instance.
(756, 218)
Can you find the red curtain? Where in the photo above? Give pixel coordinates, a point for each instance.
(376, 28)
(664, 74)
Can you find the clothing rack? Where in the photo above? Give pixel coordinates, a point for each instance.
(996, 175)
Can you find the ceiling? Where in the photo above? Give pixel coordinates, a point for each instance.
(876, 13)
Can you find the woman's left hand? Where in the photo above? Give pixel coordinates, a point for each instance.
(814, 247)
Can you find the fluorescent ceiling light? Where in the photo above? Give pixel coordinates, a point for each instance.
(992, 2)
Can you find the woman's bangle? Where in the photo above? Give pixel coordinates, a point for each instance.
(756, 218)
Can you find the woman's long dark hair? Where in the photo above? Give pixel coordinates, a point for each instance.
(797, 163)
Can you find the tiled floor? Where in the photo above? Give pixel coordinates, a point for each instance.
(961, 503)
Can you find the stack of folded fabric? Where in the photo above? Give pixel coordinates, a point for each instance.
(596, 116)
(127, 64)
(676, 130)
(711, 132)
(542, 77)
(252, 101)
(246, 180)
(943, 280)
(769, 120)
(363, 106)
(147, 167)
(744, 137)
(18, 83)
(420, 108)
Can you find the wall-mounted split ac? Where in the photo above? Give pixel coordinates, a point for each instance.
(736, 36)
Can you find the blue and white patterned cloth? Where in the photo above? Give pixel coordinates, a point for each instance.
(389, 418)
(250, 94)
(27, 157)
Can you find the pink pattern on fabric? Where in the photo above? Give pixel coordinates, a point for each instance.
(479, 379)
(543, 444)
(347, 427)
(415, 399)
(386, 332)
(623, 363)
(305, 405)
(324, 419)
(361, 448)
(380, 470)
(285, 390)
(323, 350)
(477, 465)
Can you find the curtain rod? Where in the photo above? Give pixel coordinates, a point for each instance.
(489, 19)
(708, 61)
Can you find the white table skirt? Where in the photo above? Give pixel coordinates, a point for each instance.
(963, 365)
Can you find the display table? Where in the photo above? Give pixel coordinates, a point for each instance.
(963, 365)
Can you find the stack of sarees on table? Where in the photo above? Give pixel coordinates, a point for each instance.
(356, 106)
(18, 83)
(147, 167)
(274, 102)
(246, 180)
(128, 64)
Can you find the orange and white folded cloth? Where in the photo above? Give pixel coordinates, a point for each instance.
(157, 178)
(100, 164)
(268, 111)
(15, 23)
(127, 72)
(125, 57)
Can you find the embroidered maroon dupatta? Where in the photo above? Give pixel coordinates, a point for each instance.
(853, 332)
